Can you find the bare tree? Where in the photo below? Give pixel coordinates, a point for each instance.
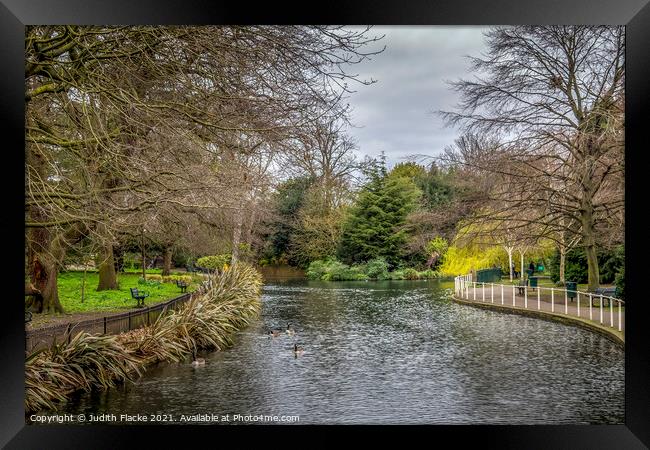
(554, 94)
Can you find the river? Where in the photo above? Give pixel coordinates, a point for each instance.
(385, 352)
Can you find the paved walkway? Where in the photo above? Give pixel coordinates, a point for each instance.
(607, 316)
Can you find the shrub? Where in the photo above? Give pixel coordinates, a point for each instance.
(427, 274)
(397, 275)
(174, 278)
(316, 270)
(333, 270)
(148, 282)
(214, 262)
(411, 274)
(377, 269)
(620, 283)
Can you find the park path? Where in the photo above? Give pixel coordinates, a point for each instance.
(607, 315)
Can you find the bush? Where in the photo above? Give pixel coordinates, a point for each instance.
(428, 274)
(214, 262)
(316, 270)
(148, 282)
(620, 283)
(333, 270)
(397, 275)
(174, 278)
(411, 274)
(377, 269)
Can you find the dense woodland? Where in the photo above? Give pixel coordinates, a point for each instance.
(185, 142)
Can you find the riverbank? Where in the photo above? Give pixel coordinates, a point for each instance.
(207, 322)
(610, 333)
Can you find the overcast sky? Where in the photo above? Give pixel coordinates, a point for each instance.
(395, 113)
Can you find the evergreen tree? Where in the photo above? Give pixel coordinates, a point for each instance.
(374, 227)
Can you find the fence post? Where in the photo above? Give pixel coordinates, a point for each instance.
(513, 295)
(483, 291)
(129, 320)
(552, 299)
(619, 317)
(68, 332)
(502, 294)
(538, 298)
(526, 297)
(104, 324)
(611, 313)
(601, 309)
(566, 302)
(578, 295)
(474, 285)
(590, 313)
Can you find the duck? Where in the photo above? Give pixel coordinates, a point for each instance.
(290, 332)
(297, 351)
(198, 362)
(274, 333)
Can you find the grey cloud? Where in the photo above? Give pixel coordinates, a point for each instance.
(395, 113)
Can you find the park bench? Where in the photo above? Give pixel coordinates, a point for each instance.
(606, 292)
(522, 286)
(183, 285)
(139, 296)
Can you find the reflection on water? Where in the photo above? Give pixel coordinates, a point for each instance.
(388, 352)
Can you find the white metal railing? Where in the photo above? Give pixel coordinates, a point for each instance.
(464, 284)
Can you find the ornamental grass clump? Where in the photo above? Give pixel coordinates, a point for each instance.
(85, 362)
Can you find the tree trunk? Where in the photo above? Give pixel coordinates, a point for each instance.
(562, 263)
(45, 280)
(521, 257)
(118, 256)
(45, 253)
(510, 266)
(236, 235)
(107, 274)
(167, 265)
(589, 240)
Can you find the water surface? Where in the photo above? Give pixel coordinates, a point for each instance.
(388, 352)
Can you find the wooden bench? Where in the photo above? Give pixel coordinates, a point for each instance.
(521, 286)
(606, 291)
(139, 296)
(183, 285)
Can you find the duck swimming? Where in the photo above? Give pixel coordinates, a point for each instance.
(198, 362)
(290, 331)
(274, 333)
(297, 351)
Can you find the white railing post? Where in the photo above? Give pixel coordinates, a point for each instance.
(611, 313)
(474, 284)
(601, 309)
(566, 302)
(513, 295)
(483, 291)
(552, 299)
(590, 316)
(502, 294)
(578, 295)
(620, 328)
(492, 292)
(539, 305)
(526, 297)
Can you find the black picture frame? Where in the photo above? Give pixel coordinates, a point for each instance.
(15, 14)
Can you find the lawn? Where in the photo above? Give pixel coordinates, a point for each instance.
(70, 284)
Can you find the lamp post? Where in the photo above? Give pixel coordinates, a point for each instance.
(144, 261)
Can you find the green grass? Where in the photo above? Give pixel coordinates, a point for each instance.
(113, 300)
